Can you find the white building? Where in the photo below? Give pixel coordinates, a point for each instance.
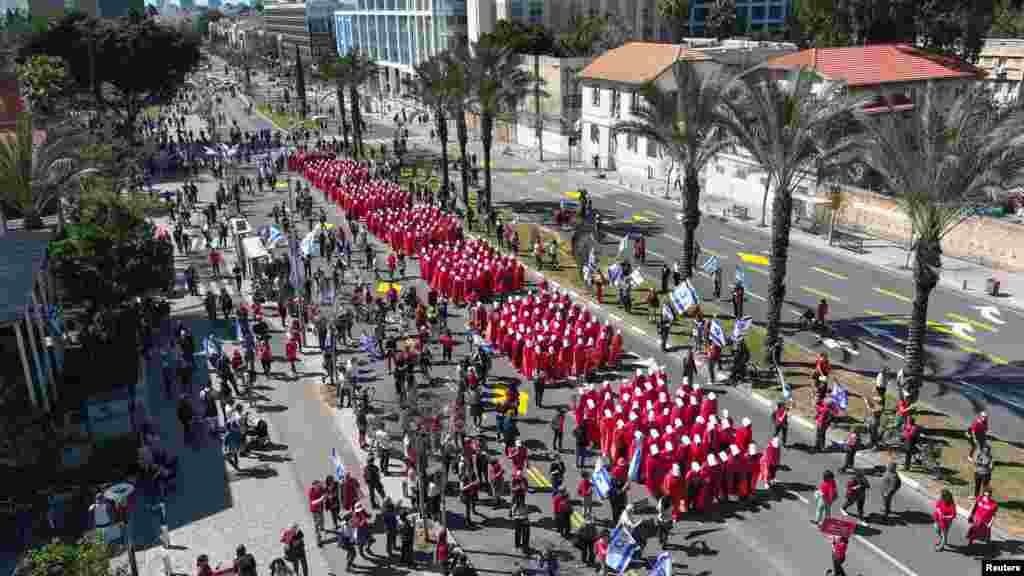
(610, 94)
(1003, 61)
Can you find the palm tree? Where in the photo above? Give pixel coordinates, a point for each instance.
(782, 124)
(359, 69)
(687, 122)
(431, 85)
(500, 84)
(458, 64)
(33, 176)
(335, 69)
(941, 163)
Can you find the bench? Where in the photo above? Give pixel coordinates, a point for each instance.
(739, 212)
(848, 240)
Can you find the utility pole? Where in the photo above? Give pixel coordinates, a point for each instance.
(536, 105)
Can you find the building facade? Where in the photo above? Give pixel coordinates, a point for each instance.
(1002, 59)
(610, 94)
(398, 34)
(310, 26)
(752, 14)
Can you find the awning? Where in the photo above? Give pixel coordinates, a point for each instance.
(253, 248)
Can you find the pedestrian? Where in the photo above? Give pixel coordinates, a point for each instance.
(361, 525)
(911, 438)
(982, 469)
(496, 475)
(371, 475)
(389, 516)
(824, 497)
(295, 549)
(780, 421)
(521, 518)
(585, 490)
(737, 301)
(557, 473)
(822, 421)
(441, 551)
(266, 356)
(469, 487)
(408, 530)
(850, 451)
(185, 416)
(943, 515)
(716, 279)
(981, 517)
(582, 442)
(317, 497)
(562, 510)
(856, 493)
(586, 536)
(332, 502)
(891, 483)
(977, 433)
(292, 352)
(245, 564)
(347, 541)
(519, 488)
(203, 566)
(557, 429)
(839, 545)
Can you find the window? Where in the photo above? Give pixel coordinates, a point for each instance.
(652, 148)
(616, 102)
(775, 12)
(757, 13)
(631, 142)
(634, 102)
(595, 97)
(595, 134)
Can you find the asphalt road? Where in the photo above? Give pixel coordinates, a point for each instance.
(742, 540)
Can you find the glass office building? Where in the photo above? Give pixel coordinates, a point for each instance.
(758, 14)
(398, 34)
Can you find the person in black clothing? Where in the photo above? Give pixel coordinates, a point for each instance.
(587, 535)
(295, 550)
(618, 498)
(245, 564)
(856, 493)
(521, 517)
(408, 528)
(371, 475)
(580, 434)
(664, 331)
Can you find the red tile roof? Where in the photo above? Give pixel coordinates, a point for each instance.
(877, 64)
(638, 62)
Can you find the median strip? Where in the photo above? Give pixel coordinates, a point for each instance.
(975, 323)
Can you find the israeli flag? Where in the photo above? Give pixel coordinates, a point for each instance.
(339, 467)
(213, 346)
(310, 247)
(683, 297)
(662, 566)
(840, 397)
(602, 482)
(615, 274)
(621, 547)
(711, 265)
(271, 235)
(741, 327)
(716, 333)
(667, 312)
(741, 276)
(243, 331)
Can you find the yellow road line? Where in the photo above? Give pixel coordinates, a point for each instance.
(997, 360)
(975, 323)
(971, 350)
(820, 293)
(871, 312)
(652, 213)
(942, 328)
(758, 270)
(715, 254)
(892, 294)
(836, 275)
(753, 258)
(576, 520)
(538, 477)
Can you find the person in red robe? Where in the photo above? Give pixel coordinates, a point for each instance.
(693, 480)
(709, 406)
(652, 478)
(674, 487)
(619, 443)
(620, 470)
(697, 453)
(739, 461)
(690, 412)
(770, 462)
(519, 455)
(744, 435)
(982, 516)
(615, 349)
(706, 491)
(753, 468)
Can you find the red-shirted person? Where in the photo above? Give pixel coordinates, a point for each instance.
(266, 356)
(316, 507)
(977, 434)
(944, 514)
(839, 545)
(291, 350)
(981, 518)
(822, 367)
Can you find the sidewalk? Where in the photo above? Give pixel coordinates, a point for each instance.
(214, 509)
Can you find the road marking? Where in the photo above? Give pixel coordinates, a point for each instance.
(974, 323)
(998, 360)
(538, 477)
(715, 254)
(655, 254)
(955, 329)
(753, 258)
(758, 270)
(626, 204)
(799, 496)
(638, 331)
(577, 520)
(835, 275)
(1002, 398)
(892, 294)
(883, 349)
(704, 274)
(820, 293)
(676, 240)
(885, 555)
(758, 296)
(990, 313)
(614, 317)
(733, 240)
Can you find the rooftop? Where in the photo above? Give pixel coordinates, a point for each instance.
(877, 64)
(638, 62)
(21, 256)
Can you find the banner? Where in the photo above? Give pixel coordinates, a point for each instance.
(716, 334)
(662, 566)
(840, 397)
(615, 274)
(621, 547)
(337, 465)
(741, 327)
(310, 247)
(683, 297)
(711, 265)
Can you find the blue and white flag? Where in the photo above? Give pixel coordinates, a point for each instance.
(615, 274)
(741, 276)
(602, 482)
(243, 330)
(667, 312)
(621, 547)
(270, 235)
(741, 327)
(298, 271)
(213, 346)
(716, 334)
(337, 465)
(683, 297)
(711, 265)
(840, 397)
(662, 566)
(310, 247)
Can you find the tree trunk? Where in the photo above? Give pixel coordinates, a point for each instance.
(462, 133)
(764, 201)
(357, 129)
(442, 136)
(341, 112)
(691, 219)
(782, 211)
(927, 258)
(486, 139)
